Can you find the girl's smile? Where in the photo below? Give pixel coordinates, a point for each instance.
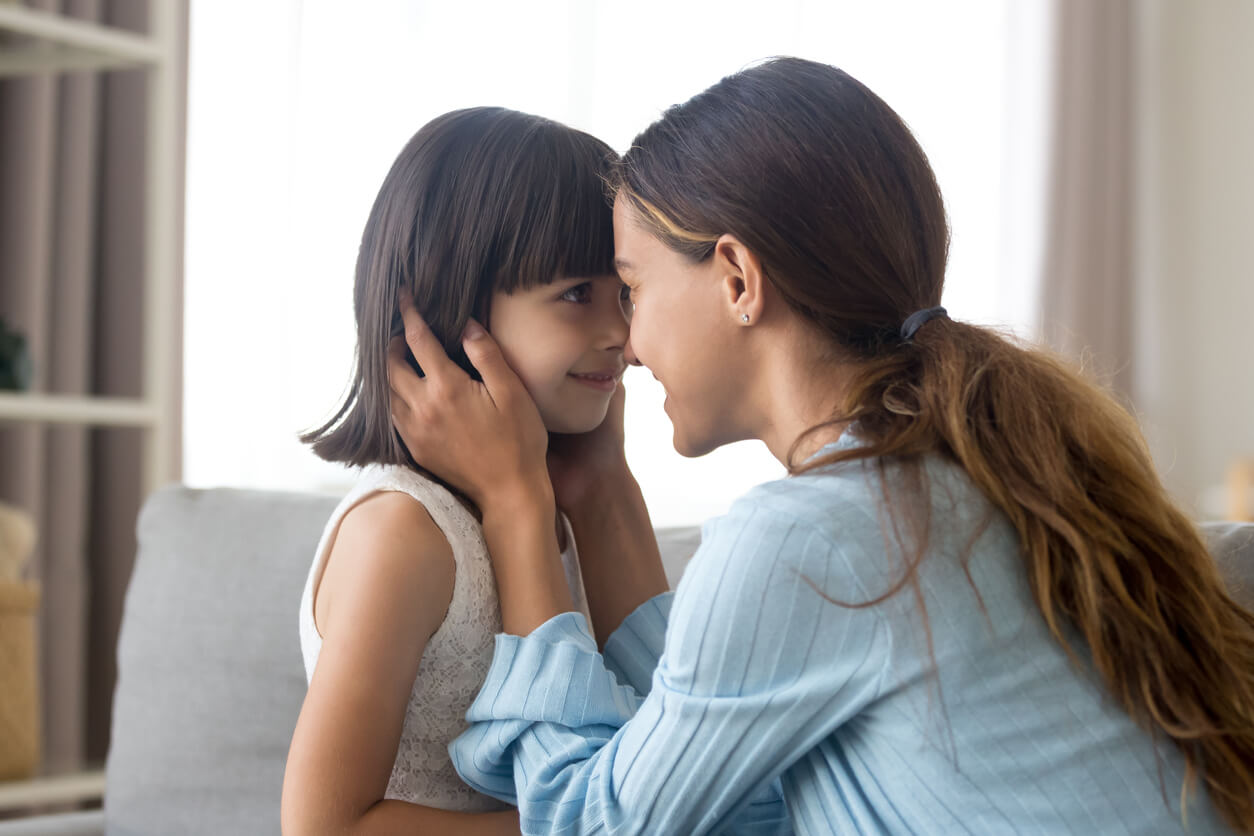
(605, 381)
(572, 330)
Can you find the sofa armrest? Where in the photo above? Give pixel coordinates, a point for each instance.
(87, 823)
(1232, 544)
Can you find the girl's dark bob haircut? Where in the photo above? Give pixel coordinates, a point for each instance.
(479, 201)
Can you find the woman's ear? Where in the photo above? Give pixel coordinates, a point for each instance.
(742, 283)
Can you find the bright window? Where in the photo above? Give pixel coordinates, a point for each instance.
(297, 110)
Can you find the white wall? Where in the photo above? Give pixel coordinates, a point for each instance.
(1196, 234)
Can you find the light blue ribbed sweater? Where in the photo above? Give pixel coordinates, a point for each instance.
(748, 686)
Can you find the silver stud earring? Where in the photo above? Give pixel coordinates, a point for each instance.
(744, 318)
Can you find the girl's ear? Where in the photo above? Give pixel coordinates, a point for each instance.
(742, 283)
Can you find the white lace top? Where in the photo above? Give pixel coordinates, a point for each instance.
(456, 658)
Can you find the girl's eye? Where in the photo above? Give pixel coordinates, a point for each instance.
(580, 294)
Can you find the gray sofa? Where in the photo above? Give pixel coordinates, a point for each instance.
(210, 673)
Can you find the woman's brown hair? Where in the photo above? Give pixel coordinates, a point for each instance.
(826, 184)
(479, 200)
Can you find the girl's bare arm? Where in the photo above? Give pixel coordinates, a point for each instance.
(388, 817)
(385, 590)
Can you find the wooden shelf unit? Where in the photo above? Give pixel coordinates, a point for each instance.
(53, 43)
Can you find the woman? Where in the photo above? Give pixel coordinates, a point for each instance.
(970, 608)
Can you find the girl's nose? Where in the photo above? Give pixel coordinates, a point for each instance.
(617, 325)
(629, 355)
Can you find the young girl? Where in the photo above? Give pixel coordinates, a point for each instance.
(487, 215)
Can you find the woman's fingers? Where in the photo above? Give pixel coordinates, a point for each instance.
(401, 377)
(485, 438)
(423, 344)
(485, 355)
(398, 356)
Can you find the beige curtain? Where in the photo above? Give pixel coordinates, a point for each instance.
(1088, 271)
(71, 272)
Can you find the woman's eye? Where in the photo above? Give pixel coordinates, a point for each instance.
(580, 294)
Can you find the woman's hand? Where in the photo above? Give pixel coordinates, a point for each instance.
(486, 439)
(580, 463)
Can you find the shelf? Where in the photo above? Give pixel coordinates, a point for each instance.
(62, 789)
(22, 61)
(41, 43)
(76, 409)
(68, 44)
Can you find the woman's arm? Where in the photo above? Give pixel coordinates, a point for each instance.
(522, 542)
(758, 671)
(618, 554)
(385, 589)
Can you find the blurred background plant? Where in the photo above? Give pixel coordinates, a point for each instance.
(15, 364)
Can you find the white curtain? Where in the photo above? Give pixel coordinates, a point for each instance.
(1087, 291)
(296, 116)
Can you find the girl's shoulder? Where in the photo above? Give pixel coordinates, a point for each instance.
(397, 511)
(385, 549)
(447, 511)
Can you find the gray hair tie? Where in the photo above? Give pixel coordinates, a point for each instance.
(917, 319)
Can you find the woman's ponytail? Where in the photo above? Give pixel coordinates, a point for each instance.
(1105, 550)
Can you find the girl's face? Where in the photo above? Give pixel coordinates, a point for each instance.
(683, 330)
(565, 341)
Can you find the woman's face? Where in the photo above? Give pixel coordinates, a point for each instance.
(684, 332)
(565, 341)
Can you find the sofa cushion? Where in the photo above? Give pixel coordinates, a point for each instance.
(677, 546)
(210, 678)
(1232, 545)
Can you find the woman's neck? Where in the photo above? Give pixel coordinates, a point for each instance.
(799, 393)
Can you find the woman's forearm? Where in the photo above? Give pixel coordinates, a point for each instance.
(618, 552)
(522, 541)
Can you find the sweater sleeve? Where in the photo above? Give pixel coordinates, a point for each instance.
(757, 669)
(634, 649)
